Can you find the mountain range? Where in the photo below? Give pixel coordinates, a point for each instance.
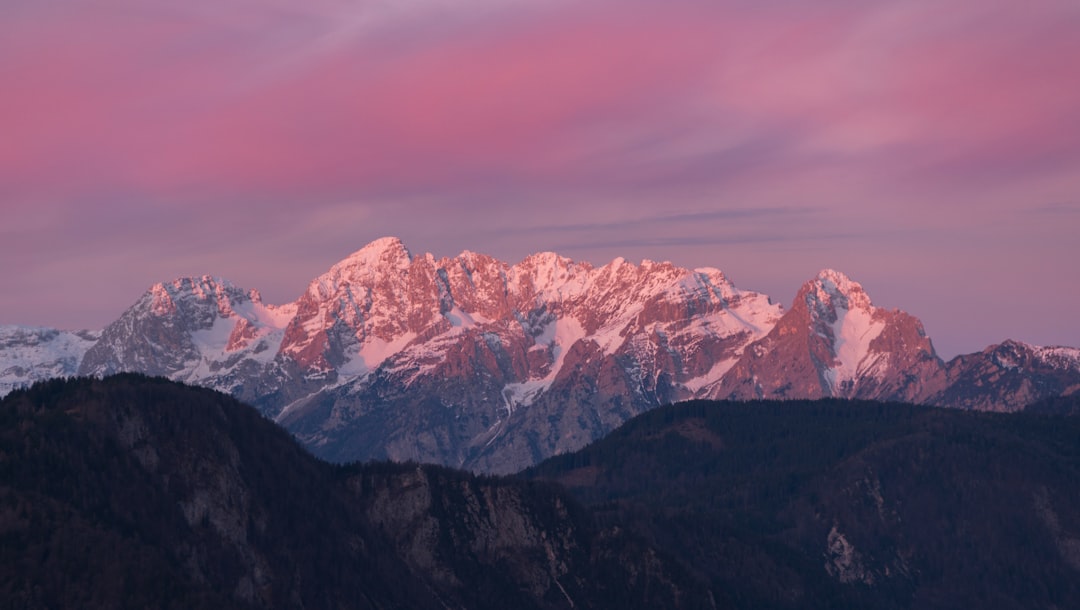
(472, 362)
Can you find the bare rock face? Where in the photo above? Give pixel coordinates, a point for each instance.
(835, 342)
(469, 361)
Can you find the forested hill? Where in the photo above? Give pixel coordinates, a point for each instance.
(132, 492)
(138, 492)
(829, 504)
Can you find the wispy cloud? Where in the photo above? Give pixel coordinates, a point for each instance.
(350, 100)
(654, 221)
(726, 239)
(680, 126)
(1062, 208)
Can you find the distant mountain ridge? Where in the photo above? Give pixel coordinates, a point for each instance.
(472, 362)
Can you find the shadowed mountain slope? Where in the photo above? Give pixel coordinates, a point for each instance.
(834, 504)
(132, 492)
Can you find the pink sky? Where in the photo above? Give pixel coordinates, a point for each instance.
(929, 149)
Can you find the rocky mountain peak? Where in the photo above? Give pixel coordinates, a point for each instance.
(200, 329)
(545, 260)
(383, 256)
(364, 309)
(474, 283)
(831, 290)
(476, 270)
(550, 275)
(382, 250)
(198, 296)
(1012, 354)
(834, 342)
(1009, 354)
(1009, 376)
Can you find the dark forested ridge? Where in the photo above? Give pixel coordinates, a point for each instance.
(138, 492)
(830, 503)
(134, 492)
(1057, 405)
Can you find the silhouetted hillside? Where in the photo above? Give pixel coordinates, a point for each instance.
(832, 504)
(133, 492)
(1058, 405)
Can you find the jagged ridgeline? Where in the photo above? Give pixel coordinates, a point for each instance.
(132, 492)
(471, 362)
(836, 504)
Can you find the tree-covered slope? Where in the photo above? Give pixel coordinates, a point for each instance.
(833, 504)
(133, 492)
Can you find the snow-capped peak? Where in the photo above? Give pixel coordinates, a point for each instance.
(550, 274)
(383, 251)
(842, 314)
(31, 353)
(546, 262)
(383, 257)
(831, 290)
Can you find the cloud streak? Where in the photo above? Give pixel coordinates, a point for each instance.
(323, 105)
